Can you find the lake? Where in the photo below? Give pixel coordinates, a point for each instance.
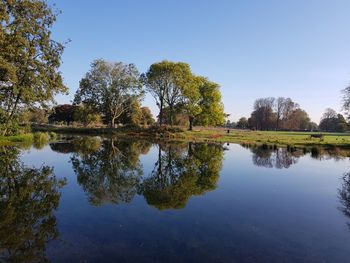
(88, 199)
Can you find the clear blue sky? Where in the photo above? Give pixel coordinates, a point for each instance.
(296, 48)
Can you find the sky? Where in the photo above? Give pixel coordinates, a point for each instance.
(253, 49)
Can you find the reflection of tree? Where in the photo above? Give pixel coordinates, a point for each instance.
(112, 172)
(28, 199)
(344, 195)
(180, 173)
(278, 158)
(83, 145)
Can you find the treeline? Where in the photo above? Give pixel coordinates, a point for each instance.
(111, 94)
(285, 114)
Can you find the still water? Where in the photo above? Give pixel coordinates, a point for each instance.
(88, 199)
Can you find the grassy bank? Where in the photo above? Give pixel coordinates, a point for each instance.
(275, 138)
(22, 138)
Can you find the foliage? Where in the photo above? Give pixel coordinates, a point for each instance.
(34, 115)
(63, 113)
(212, 108)
(278, 114)
(242, 123)
(86, 115)
(29, 58)
(164, 81)
(331, 121)
(109, 88)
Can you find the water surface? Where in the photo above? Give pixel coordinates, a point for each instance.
(88, 199)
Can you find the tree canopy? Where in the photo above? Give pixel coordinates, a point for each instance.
(29, 58)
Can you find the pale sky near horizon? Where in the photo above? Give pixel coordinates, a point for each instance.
(253, 49)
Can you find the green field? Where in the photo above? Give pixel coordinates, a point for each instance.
(278, 138)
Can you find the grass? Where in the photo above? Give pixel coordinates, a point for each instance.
(16, 139)
(271, 138)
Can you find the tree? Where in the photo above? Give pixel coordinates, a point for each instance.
(29, 58)
(212, 108)
(331, 121)
(34, 115)
(85, 115)
(109, 88)
(191, 98)
(263, 114)
(283, 107)
(346, 101)
(242, 123)
(147, 116)
(328, 120)
(63, 113)
(164, 81)
(297, 120)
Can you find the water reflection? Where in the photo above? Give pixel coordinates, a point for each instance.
(28, 199)
(109, 170)
(344, 195)
(180, 172)
(279, 158)
(109, 173)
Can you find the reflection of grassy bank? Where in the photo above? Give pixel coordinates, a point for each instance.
(38, 139)
(280, 139)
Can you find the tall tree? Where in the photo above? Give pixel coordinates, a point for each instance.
(109, 88)
(212, 108)
(164, 81)
(192, 97)
(29, 58)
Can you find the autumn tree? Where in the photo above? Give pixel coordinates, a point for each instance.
(109, 88)
(29, 58)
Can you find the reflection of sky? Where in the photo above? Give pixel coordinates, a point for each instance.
(261, 213)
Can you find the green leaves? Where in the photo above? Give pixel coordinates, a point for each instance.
(30, 59)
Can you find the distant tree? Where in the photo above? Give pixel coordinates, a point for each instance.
(328, 120)
(109, 88)
(85, 115)
(331, 121)
(34, 115)
(147, 116)
(63, 113)
(283, 108)
(263, 114)
(242, 123)
(297, 120)
(29, 58)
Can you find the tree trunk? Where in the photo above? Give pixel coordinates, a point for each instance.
(161, 113)
(190, 119)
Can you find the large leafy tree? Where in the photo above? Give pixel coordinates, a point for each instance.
(164, 81)
(29, 58)
(110, 88)
(212, 108)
